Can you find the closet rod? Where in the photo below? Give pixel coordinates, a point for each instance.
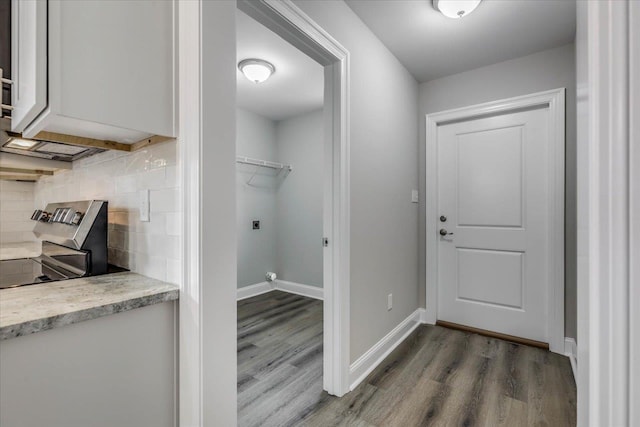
(263, 163)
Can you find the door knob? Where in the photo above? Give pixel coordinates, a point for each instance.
(444, 232)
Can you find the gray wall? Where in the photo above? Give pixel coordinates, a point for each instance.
(256, 137)
(217, 299)
(288, 205)
(299, 199)
(384, 169)
(540, 71)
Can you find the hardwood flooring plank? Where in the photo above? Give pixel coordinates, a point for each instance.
(503, 411)
(297, 325)
(436, 377)
(550, 409)
(333, 411)
(278, 356)
(245, 381)
(285, 406)
(420, 406)
(408, 359)
(511, 372)
(475, 395)
(255, 307)
(273, 318)
(265, 388)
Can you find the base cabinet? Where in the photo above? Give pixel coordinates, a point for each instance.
(117, 370)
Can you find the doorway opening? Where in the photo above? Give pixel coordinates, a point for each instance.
(293, 209)
(279, 198)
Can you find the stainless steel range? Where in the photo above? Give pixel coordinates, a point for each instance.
(74, 244)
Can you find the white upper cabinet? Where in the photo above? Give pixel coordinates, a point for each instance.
(29, 61)
(110, 68)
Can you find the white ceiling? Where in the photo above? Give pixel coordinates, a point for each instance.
(430, 45)
(297, 86)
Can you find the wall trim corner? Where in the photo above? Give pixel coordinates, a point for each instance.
(373, 357)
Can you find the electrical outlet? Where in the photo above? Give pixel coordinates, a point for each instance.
(389, 302)
(414, 196)
(256, 225)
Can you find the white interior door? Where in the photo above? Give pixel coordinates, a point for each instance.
(493, 196)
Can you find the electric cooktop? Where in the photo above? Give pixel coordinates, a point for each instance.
(27, 271)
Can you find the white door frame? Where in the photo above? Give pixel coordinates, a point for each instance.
(554, 99)
(608, 208)
(196, 342)
(292, 24)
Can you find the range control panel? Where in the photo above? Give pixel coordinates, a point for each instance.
(69, 223)
(63, 215)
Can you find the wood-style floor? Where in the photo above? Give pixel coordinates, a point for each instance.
(437, 377)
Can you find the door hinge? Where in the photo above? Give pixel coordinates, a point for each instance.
(325, 242)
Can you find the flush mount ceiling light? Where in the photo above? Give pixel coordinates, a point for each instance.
(21, 143)
(256, 70)
(455, 8)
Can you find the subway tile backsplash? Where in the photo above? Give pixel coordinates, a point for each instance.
(16, 207)
(149, 248)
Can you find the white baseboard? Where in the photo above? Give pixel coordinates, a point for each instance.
(428, 317)
(280, 285)
(254, 290)
(571, 351)
(299, 289)
(366, 363)
(425, 318)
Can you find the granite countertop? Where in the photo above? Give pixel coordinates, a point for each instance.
(19, 250)
(29, 309)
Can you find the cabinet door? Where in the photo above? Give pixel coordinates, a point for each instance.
(28, 61)
(112, 63)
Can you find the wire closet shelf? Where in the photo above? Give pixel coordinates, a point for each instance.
(262, 163)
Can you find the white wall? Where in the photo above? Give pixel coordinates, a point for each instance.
(300, 142)
(16, 208)
(288, 205)
(384, 170)
(149, 248)
(256, 138)
(550, 69)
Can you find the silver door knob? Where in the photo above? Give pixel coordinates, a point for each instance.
(444, 232)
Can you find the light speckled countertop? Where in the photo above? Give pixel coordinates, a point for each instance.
(28, 309)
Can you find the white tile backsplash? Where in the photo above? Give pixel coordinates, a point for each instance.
(149, 248)
(174, 223)
(164, 200)
(16, 207)
(174, 270)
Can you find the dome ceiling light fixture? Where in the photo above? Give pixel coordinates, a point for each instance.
(455, 9)
(256, 70)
